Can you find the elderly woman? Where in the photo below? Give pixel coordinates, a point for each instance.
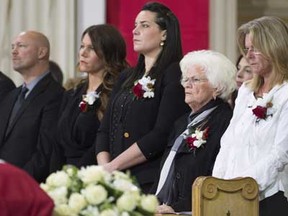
(209, 79)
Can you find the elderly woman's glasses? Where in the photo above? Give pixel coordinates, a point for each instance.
(192, 80)
(251, 50)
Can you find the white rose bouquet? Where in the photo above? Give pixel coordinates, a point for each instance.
(92, 191)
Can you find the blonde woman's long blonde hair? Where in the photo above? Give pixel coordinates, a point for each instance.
(270, 37)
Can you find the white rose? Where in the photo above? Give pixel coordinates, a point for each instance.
(109, 212)
(63, 210)
(44, 187)
(92, 174)
(77, 202)
(120, 175)
(124, 185)
(59, 195)
(125, 214)
(71, 170)
(126, 202)
(149, 203)
(95, 194)
(90, 211)
(123, 181)
(58, 179)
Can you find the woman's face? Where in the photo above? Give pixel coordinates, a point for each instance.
(88, 60)
(198, 89)
(244, 72)
(147, 35)
(259, 64)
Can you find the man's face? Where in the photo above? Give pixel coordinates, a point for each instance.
(24, 52)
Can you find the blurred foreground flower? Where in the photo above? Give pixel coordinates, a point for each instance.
(91, 191)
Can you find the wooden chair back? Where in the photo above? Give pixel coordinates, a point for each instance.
(218, 197)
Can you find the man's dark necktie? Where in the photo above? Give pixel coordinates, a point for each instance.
(18, 103)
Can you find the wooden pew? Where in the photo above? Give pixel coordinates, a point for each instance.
(218, 197)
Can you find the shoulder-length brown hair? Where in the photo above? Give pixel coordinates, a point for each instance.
(110, 47)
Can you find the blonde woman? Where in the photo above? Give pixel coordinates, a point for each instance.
(256, 142)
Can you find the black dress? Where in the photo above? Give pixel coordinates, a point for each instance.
(188, 165)
(76, 130)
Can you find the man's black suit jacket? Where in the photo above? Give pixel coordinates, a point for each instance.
(27, 142)
(6, 85)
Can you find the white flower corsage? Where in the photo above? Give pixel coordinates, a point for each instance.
(88, 100)
(144, 87)
(195, 138)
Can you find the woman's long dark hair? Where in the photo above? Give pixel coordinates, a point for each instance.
(172, 49)
(110, 47)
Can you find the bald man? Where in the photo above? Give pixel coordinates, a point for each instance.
(29, 117)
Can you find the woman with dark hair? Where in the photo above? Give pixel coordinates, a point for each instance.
(102, 55)
(56, 71)
(147, 99)
(244, 73)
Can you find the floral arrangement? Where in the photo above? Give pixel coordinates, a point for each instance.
(263, 108)
(144, 87)
(195, 138)
(88, 100)
(92, 191)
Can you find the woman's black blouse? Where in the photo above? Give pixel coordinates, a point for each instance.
(77, 130)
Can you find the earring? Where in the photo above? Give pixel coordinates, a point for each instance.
(162, 43)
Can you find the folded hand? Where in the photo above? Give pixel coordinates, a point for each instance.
(161, 209)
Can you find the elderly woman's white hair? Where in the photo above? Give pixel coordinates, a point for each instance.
(219, 70)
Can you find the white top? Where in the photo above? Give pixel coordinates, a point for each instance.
(257, 148)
